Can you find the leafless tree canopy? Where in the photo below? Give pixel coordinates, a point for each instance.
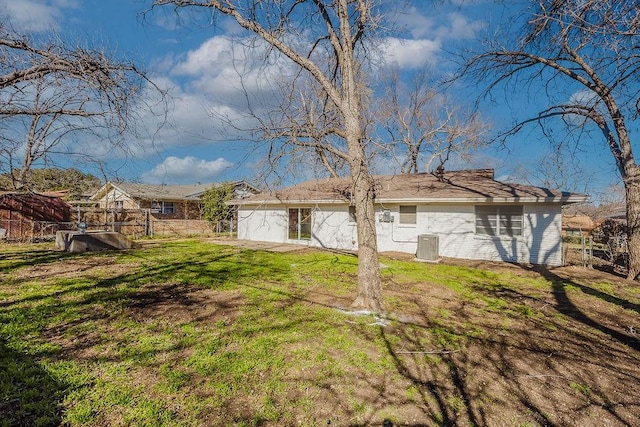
(50, 92)
(423, 127)
(323, 114)
(585, 54)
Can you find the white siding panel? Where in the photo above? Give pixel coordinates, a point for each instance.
(544, 224)
(455, 226)
(115, 195)
(262, 224)
(332, 229)
(393, 236)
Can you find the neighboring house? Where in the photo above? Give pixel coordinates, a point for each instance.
(577, 225)
(162, 201)
(29, 216)
(472, 215)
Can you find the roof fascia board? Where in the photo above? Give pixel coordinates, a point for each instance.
(461, 200)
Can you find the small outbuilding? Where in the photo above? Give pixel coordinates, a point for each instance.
(30, 216)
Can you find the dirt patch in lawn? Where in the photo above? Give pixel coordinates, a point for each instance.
(156, 305)
(71, 268)
(180, 303)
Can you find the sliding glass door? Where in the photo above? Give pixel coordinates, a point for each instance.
(300, 223)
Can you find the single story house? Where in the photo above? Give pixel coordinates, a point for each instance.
(459, 214)
(162, 201)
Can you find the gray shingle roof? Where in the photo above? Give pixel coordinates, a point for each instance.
(163, 192)
(455, 186)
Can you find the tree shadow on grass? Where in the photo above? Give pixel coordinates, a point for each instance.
(540, 357)
(29, 396)
(575, 347)
(12, 261)
(567, 307)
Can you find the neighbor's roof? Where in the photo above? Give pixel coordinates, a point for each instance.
(455, 186)
(156, 192)
(8, 199)
(577, 222)
(162, 192)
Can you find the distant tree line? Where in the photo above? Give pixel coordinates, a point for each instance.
(72, 181)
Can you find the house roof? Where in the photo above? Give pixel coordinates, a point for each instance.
(577, 222)
(163, 192)
(11, 199)
(453, 187)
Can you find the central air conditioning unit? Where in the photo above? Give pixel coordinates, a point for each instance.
(427, 247)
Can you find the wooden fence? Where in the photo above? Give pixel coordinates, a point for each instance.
(135, 223)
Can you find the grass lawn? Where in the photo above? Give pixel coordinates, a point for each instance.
(190, 333)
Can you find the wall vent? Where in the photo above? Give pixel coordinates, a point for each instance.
(428, 247)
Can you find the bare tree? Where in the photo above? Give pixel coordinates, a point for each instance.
(50, 92)
(301, 129)
(423, 127)
(556, 169)
(585, 54)
(325, 40)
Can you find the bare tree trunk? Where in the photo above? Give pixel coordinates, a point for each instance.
(632, 192)
(369, 281)
(337, 28)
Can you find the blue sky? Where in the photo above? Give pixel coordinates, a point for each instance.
(193, 62)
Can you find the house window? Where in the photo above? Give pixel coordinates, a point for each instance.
(119, 204)
(163, 207)
(499, 220)
(300, 223)
(352, 215)
(408, 214)
(168, 208)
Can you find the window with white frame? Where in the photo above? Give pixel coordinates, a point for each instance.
(408, 214)
(300, 223)
(501, 220)
(163, 207)
(119, 204)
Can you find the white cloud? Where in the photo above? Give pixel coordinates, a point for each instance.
(35, 15)
(211, 57)
(206, 91)
(407, 53)
(426, 35)
(191, 119)
(460, 28)
(417, 24)
(189, 169)
(584, 97)
(440, 26)
(224, 69)
(223, 73)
